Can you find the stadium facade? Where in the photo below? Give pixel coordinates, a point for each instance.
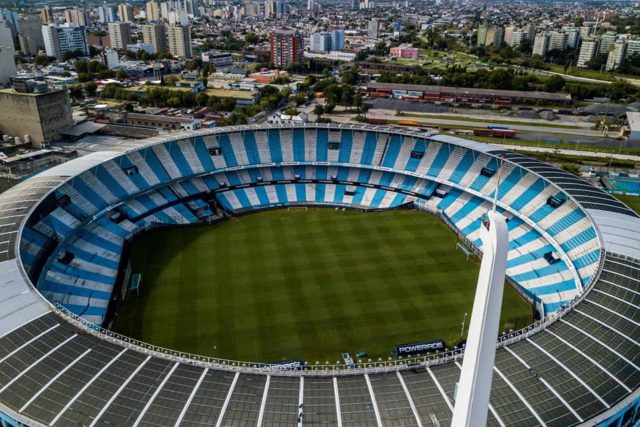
(574, 253)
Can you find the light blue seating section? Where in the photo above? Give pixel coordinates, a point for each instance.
(304, 194)
(147, 198)
(531, 257)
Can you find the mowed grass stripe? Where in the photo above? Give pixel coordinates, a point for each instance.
(306, 284)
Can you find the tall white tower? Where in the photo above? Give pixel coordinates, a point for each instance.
(474, 388)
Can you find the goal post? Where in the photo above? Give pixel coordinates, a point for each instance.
(136, 281)
(464, 249)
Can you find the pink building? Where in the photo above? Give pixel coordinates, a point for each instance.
(404, 52)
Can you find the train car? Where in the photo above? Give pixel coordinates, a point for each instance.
(408, 122)
(377, 121)
(482, 132)
(504, 133)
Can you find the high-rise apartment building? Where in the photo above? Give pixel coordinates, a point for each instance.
(326, 41)
(287, 47)
(337, 39)
(119, 34)
(633, 47)
(106, 13)
(125, 12)
(489, 35)
(30, 34)
(152, 10)
(320, 42)
(373, 28)
(606, 41)
(179, 38)
(588, 50)
(557, 40)
(541, 44)
(47, 15)
(76, 17)
(155, 35)
(616, 55)
(60, 39)
(7, 64)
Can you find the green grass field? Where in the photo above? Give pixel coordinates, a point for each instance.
(632, 201)
(304, 284)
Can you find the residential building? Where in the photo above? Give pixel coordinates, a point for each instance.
(517, 38)
(155, 35)
(633, 47)
(152, 10)
(46, 13)
(61, 39)
(111, 58)
(30, 34)
(106, 13)
(179, 40)
(119, 34)
(7, 64)
(42, 116)
(327, 41)
(337, 39)
(606, 41)
(6, 35)
(557, 40)
(586, 31)
(320, 42)
(588, 51)
(616, 55)
(125, 12)
(217, 59)
(373, 28)
(287, 47)
(529, 31)
(76, 17)
(489, 35)
(404, 51)
(573, 37)
(541, 44)
(508, 34)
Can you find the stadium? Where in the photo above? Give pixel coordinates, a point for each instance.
(574, 255)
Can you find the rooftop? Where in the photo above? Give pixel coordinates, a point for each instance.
(634, 120)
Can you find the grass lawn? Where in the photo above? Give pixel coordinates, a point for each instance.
(304, 284)
(632, 201)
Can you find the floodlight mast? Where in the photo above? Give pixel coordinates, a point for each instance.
(474, 387)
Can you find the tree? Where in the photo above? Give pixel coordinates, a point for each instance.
(121, 75)
(84, 77)
(174, 101)
(350, 76)
(202, 99)
(90, 88)
(81, 67)
(170, 80)
(554, 83)
(42, 60)
(318, 110)
(75, 91)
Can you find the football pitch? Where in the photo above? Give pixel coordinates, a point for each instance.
(310, 284)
